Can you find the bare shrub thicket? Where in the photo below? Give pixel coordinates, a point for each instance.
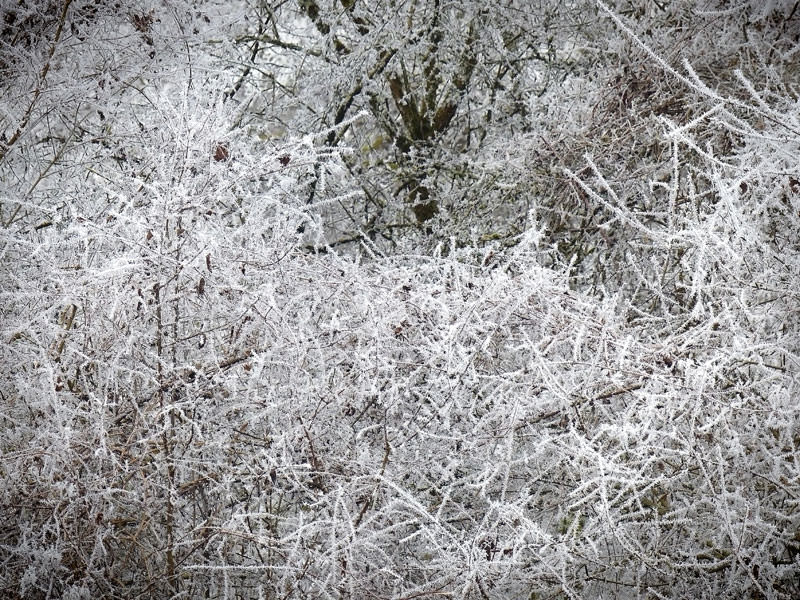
(301, 300)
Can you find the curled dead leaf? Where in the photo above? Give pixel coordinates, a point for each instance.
(221, 153)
